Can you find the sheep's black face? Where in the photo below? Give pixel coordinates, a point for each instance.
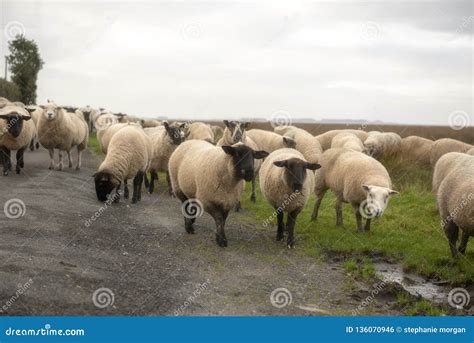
(14, 123)
(176, 133)
(237, 130)
(243, 158)
(296, 171)
(104, 185)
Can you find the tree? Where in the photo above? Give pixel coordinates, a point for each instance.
(9, 90)
(25, 63)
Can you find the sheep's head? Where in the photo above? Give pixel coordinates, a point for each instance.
(52, 111)
(105, 183)
(376, 201)
(237, 130)
(243, 159)
(295, 171)
(175, 132)
(289, 142)
(14, 116)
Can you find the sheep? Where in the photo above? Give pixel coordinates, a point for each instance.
(445, 145)
(212, 177)
(58, 129)
(17, 130)
(357, 179)
(326, 138)
(128, 156)
(286, 185)
(146, 123)
(281, 130)
(454, 198)
(200, 131)
(270, 141)
(35, 113)
(164, 139)
(105, 135)
(383, 145)
(447, 163)
(105, 120)
(306, 143)
(470, 151)
(416, 149)
(347, 140)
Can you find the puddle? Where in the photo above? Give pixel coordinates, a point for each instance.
(413, 284)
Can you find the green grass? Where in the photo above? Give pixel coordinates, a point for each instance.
(409, 232)
(93, 144)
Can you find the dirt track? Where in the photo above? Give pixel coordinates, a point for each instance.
(143, 255)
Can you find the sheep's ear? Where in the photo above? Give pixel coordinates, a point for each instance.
(3, 116)
(289, 142)
(166, 125)
(259, 154)
(280, 163)
(313, 166)
(182, 126)
(392, 192)
(366, 188)
(226, 123)
(30, 109)
(26, 118)
(228, 150)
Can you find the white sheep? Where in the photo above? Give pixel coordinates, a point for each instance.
(17, 130)
(455, 202)
(147, 123)
(35, 113)
(203, 174)
(470, 151)
(200, 131)
(445, 165)
(354, 178)
(58, 129)
(347, 140)
(270, 141)
(105, 135)
(306, 143)
(129, 154)
(287, 186)
(164, 140)
(416, 149)
(282, 130)
(326, 138)
(383, 145)
(444, 145)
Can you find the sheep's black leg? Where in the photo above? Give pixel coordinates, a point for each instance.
(37, 145)
(136, 184)
(145, 178)
(290, 227)
(188, 222)
(168, 180)
(463, 245)
(140, 185)
(253, 197)
(451, 231)
(19, 160)
(7, 165)
(281, 224)
(367, 225)
(116, 197)
(125, 189)
(153, 177)
(220, 217)
(32, 144)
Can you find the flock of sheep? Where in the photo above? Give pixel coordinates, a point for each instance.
(291, 164)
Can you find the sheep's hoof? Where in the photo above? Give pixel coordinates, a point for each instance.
(222, 242)
(253, 198)
(134, 200)
(5, 173)
(78, 168)
(188, 226)
(60, 167)
(291, 245)
(313, 218)
(51, 167)
(279, 236)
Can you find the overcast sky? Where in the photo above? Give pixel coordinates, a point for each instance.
(395, 61)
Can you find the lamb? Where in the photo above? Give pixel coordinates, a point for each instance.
(444, 145)
(416, 149)
(445, 165)
(210, 178)
(270, 141)
(128, 156)
(287, 186)
(164, 140)
(17, 130)
(58, 129)
(454, 198)
(326, 138)
(357, 179)
(235, 133)
(105, 135)
(347, 140)
(383, 145)
(306, 143)
(200, 131)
